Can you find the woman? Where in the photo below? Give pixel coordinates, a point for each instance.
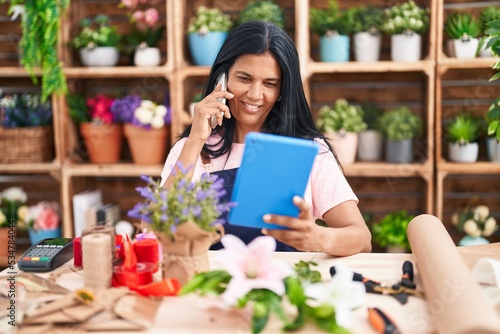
(265, 94)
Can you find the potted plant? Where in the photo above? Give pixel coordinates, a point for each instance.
(370, 142)
(493, 122)
(100, 128)
(146, 127)
(39, 41)
(264, 10)
(26, 132)
(406, 22)
(43, 221)
(12, 206)
(400, 126)
(486, 16)
(390, 232)
(97, 42)
(341, 124)
(463, 131)
(333, 26)
(145, 34)
(462, 29)
(367, 39)
(207, 31)
(476, 223)
(184, 233)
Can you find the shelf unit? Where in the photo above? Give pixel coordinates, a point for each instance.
(382, 187)
(462, 84)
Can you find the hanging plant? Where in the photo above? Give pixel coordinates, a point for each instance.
(40, 21)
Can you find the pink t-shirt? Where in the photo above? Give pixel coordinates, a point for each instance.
(327, 186)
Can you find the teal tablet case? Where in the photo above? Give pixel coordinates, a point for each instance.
(273, 170)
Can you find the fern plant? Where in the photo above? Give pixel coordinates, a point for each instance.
(368, 18)
(40, 28)
(323, 21)
(391, 230)
(265, 10)
(462, 25)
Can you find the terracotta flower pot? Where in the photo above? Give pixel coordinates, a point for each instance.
(4, 241)
(148, 146)
(103, 142)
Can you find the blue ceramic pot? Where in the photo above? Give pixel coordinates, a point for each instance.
(204, 48)
(334, 48)
(470, 241)
(36, 236)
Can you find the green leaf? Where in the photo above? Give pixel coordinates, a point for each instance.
(260, 317)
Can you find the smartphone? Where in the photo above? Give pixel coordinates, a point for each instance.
(222, 79)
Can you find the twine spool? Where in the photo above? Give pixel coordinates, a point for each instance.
(104, 229)
(97, 261)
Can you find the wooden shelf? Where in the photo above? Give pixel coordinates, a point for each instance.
(382, 169)
(116, 72)
(482, 167)
(120, 169)
(371, 67)
(44, 167)
(445, 64)
(15, 72)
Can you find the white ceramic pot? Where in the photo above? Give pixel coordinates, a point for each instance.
(406, 47)
(367, 46)
(466, 48)
(99, 56)
(345, 145)
(370, 145)
(493, 149)
(147, 56)
(463, 152)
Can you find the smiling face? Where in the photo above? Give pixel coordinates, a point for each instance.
(255, 81)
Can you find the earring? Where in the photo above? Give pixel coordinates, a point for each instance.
(279, 98)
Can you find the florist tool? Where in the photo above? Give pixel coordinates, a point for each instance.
(400, 290)
(381, 322)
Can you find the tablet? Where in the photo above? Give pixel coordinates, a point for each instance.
(273, 170)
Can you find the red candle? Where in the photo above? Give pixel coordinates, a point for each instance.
(146, 250)
(77, 252)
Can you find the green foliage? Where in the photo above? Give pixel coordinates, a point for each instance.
(331, 19)
(371, 116)
(264, 10)
(400, 124)
(487, 15)
(464, 129)
(493, 119)
(96, 33)
(209, 19)
(406, 17)
(391, 230)
(266, 302)
(77, 108)
(40, 34)
(340, 116)
(492, 39)
(462, 25)
(368, 18)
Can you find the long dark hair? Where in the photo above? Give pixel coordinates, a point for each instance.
(291, 115)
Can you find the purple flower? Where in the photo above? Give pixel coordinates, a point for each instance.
(123, 109)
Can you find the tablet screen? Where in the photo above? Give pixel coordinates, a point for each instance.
(273, 170)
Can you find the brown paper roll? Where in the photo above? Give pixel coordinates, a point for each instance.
(454, 299)
(104, 229)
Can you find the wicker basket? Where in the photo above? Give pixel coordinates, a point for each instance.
(25, 145)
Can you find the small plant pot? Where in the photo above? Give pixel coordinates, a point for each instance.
(466, 48)
(406, 47)
(493, 149)
(334, 48)
(370, 145)
(147, 57)
(100, 56)
(205, 47)
(345, 146)
(148, 146)
(103, 142)
(367, 46)
(466, 153)
(485, 52)
(399, 151)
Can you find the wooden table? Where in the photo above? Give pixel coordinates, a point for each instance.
(185, 314)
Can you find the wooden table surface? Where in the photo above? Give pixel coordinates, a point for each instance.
(187, 315)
